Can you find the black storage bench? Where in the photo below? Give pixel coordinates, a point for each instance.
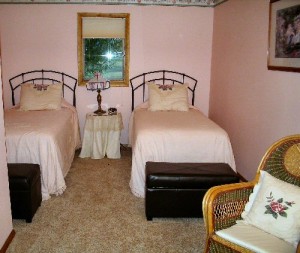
(177, 189)
(25, 190)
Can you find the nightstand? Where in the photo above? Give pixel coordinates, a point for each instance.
(102, 136)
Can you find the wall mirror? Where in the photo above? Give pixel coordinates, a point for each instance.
(103, 47)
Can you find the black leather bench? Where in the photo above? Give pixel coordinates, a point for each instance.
(177, 189)
(25, 190)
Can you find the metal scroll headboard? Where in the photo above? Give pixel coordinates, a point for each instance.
(163, 77)
(48, 77)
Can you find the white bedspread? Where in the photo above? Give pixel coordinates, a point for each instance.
(172, 136)
(48, 138)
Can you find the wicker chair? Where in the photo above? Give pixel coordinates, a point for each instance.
(223, 205)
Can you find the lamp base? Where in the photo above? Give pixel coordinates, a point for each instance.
(100, 112)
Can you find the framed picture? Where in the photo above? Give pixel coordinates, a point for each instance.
(284, 35)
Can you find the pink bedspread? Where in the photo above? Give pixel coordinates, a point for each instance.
(172, 136)
(48, 138)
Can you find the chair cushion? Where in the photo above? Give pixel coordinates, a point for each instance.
(255, 239)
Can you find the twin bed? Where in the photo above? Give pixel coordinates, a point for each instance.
(166, 127)
(43, 127)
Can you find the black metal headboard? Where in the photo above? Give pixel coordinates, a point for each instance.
(138, 83)
(45, 77)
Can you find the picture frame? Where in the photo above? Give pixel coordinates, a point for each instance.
(284, 35)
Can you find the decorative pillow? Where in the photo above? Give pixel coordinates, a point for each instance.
(253, 194)
(276, 209)
(168, 97)
(40, 97)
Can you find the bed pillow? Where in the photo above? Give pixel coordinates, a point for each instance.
(168, 97)
(276, 209)
(40, 97)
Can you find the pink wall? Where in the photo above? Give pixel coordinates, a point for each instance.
(5, 212)
(45, 36)
(256, 106)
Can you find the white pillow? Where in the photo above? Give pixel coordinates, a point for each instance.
(276, 209)
(168, 97)
(253, 194)
(40, 97)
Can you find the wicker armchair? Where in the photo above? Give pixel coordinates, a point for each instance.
(223, 205)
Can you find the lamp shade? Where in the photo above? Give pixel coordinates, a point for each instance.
(98, 82)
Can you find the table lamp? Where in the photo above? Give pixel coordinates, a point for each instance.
(98, 83)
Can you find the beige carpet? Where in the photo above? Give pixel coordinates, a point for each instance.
(98, 213)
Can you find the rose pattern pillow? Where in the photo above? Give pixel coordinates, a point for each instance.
(276, 209)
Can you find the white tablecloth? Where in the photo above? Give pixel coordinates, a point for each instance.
(102, 136)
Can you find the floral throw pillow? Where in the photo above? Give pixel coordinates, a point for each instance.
(276, 209)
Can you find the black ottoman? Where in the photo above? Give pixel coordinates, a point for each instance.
(25, 190)
(177, 189)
